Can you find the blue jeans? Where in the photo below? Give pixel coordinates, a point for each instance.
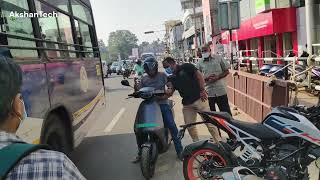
(169, 122)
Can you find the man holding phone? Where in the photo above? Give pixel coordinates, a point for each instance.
(214, 68)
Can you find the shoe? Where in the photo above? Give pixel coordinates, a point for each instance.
(136, 159)
(180, 157)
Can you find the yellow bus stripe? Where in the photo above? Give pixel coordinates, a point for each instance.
(88, 106)
(37, 141)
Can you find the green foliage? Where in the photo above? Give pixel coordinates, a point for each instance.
(155, 47)
(121, 42)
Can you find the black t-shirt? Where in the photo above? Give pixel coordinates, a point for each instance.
(186, 83)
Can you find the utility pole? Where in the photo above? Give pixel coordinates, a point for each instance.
(310, 31)
(195, 27)
(310, 26)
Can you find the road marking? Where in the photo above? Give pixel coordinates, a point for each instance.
(114, 121)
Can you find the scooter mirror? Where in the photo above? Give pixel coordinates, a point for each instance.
(125, 83)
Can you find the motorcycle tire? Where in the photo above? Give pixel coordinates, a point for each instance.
(188, 168)
(147, 162)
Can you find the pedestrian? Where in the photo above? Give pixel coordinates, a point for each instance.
(158, 80)
(199, 54)
(138, 68)
(191, 85)
(214, 69)
(19, 160)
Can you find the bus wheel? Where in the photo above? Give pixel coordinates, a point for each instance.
(56, 135)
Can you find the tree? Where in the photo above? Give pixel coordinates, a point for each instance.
(103, 50)
(121, 42)
(155, 47)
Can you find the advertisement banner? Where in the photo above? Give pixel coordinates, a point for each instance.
(262, 5)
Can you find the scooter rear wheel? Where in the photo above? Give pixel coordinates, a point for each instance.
(147, 162)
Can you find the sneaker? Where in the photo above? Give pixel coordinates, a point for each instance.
(180, 157)
(136, 159)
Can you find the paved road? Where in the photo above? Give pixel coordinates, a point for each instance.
(110, 145)
(106, 152)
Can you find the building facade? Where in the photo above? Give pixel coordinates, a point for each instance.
(193, 35)
(269, 28)
(174, 32)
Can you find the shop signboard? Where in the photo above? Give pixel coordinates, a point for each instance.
(262, 5)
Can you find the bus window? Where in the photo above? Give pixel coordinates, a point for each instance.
(19, 27)
(81, 12)
(61, 4)
(57, 29)
(66, 32)
(86, 38)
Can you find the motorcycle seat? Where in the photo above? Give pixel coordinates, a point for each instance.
(256, 129)
(223, 115)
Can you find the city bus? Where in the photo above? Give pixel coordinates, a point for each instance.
(55, 44)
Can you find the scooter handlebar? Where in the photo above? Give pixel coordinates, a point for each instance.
(140, 94)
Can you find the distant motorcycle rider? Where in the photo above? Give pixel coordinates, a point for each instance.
(138, 71)
(158, 80)
(138, 68)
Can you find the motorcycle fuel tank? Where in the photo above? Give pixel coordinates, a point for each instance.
(288, 123)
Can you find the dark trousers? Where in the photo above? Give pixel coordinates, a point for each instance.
(222, 102)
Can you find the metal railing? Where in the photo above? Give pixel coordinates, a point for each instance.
(269, 52)
(253, 52)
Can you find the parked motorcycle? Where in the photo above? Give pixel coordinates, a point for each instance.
(311, 113)
(238, 173)
(281, 147)
(264, 70)
(149, 128)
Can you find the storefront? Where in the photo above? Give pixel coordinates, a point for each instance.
(269, 34)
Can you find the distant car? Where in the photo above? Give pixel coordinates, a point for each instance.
(145, 55)
(130, 64)
(119, 67)
(114, 67)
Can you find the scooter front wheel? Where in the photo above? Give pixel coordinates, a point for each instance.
(148, 161)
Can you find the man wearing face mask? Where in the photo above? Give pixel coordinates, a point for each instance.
(33, 164)
(158, 80)
(214, 69)
(189, 82)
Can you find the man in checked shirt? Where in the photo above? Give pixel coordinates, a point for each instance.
(40, 164)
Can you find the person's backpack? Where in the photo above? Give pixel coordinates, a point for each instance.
(13, 153)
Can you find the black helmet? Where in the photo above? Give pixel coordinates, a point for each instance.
(150, 64)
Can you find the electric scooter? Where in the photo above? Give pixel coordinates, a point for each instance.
(151, 133)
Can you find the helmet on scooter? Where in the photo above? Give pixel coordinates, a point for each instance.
(150, 64)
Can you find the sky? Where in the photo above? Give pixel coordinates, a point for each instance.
(137, 16)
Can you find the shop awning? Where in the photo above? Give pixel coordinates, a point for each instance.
(188, 33)
(264, 24)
